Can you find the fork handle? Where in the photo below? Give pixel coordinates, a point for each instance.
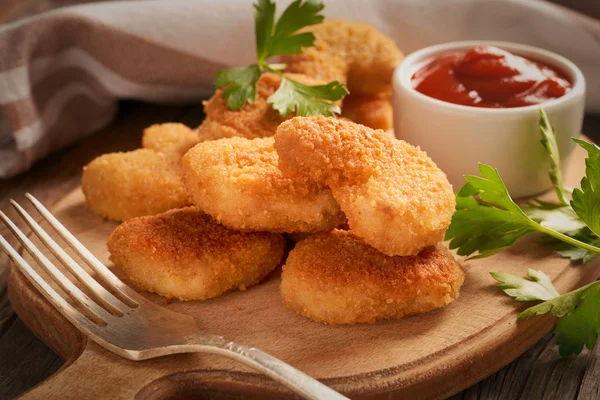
(295, 380)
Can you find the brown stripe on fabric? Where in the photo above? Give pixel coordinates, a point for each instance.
(129, 56)
(78, 115)
(21, 113)
(27, 111)
(45, 89)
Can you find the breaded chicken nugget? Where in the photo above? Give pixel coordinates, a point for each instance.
(171, 139)
(394, 196)
(354, 53)
(119, 186)
(336, 278)
(256, 120)
(236, 180)
(184, 254)
(373, 112)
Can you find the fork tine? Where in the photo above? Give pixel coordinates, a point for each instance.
(101, 295)
(64, 282)
(103, 272)
(66, 309)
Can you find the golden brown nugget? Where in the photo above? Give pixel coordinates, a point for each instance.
(336, 278)
(184, 254)
(236, 180)
(119, 186)
(373, 112)
(394, 196)
(256, 120)
(172, 140)
(354, 53)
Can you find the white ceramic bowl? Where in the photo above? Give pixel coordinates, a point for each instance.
(459, 137)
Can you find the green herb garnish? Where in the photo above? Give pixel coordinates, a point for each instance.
(487, 220)
(275, 39)
(578, 310)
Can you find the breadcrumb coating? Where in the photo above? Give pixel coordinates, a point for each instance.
(256, 120)
(394, 196)
(354, 53)
(236, 180)
(373, 112)
(171, 139)
(184, 254)
(119, 186)
(336, 278)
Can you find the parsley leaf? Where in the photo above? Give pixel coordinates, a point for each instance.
(489, 225)
(586, 201)
(582, 326)
(298, 15)
(580, 313)
(579, 309)
(279, 38)
(538, 288)
(241, 85)
(487, 220)
(264, 18)
(307, 100)
(549, 142)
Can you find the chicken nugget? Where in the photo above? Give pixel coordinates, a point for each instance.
(373, 112)
(256, 120)
(394, 196)
(171, 139)
(236, 180)
(184, 254)
(336, 278)
(119, 186)
(354, 53)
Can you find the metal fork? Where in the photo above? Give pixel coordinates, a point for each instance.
(115, 321)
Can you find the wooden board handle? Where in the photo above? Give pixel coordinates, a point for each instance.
(87, 377)
(100, 374)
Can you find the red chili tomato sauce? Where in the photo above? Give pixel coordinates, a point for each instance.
(489, 77)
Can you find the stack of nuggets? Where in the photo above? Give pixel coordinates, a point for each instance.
(368, 211)
(398, 205)
(314, 174)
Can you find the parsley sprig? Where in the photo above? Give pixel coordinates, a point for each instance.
(276, 39)
(487, 220)
(578, 310)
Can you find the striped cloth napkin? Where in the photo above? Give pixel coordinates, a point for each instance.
(62, 72)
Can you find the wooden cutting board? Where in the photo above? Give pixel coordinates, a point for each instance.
(429, 356)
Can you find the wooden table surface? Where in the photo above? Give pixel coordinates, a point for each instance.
(540, 373)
